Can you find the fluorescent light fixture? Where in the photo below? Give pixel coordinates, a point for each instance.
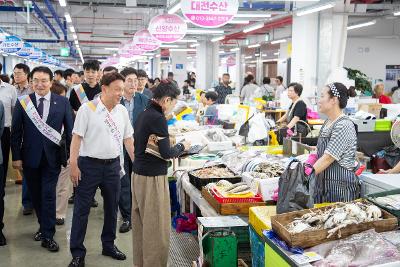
(187, 41)
(271, 60)
(76, 42)
(252, 15)
(360, 25)
(148, 54)
(68, 17)
(4, 55)
(253, 27)
(111, 48)
(189, 57)
(204, 31)
(248, 57)
(235, 49)
(276, 54)
(174, 8)
(71, 28)
(182, 50)
(264, 55)
(216, 39)
(396, 13)
(254, 46)
(169, 46)
(278, 41)
(239, 21)
(63, 3)
(221, 52)
(194, 45)
(314, 9)
(75, 36)
(157, 56)
(114, 55)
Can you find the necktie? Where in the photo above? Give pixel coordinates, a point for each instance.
(40, 107)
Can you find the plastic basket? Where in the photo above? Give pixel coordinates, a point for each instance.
(200, 182)
(221, 199)
(371, 198)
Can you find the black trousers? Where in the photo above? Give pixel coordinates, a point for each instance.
(125, 199)
(5, 148)
(2, 193)
(95, 174)
(42, 183)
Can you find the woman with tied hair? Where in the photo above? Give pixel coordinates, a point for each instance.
(336, 148)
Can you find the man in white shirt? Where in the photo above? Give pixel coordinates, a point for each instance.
(101, 128)
(8, 95)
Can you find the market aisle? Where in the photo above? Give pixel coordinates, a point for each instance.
(23, 251)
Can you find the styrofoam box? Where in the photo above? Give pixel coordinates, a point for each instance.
(266, 187)
(364, 125)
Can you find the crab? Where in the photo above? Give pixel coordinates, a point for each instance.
(373, 212)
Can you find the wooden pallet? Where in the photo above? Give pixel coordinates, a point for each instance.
(229, 208)
(315, 237)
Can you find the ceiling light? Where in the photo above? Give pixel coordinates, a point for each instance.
(314, 9)
(254, 46)
(360, 25)
(194, 45)
(204, 31)
(63, 3)
(221, 52)
(71, 28)
(264, 55)
(111, 48)
(216, 39)
(174, 8)
(182, 50)
(148, 54)
(239, 21)
(248, 57)
(4, 55)
(68, 18)
(75, 36)
(114, 55)
(276, 54)
(252, 15)
(169, 46)
(76, 42)
(396, 13)
(235, 49)
(271, 60)
(253, 27)
(279, 41)
(157, 56)
(187, 41)
(256, 55)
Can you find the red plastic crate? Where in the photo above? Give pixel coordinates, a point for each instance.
(221, 199)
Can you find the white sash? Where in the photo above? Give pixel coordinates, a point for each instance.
(41, 125)
(80, 92)
(112, 128)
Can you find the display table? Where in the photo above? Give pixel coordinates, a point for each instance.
(375, 183)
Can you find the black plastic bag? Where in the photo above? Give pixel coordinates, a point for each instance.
(296, 189)
(245, 128)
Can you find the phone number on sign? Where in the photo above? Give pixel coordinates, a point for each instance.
(208, 18)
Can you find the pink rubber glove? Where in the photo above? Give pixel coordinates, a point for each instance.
(307, 170)
(275, 195)
(289, 133)
(312, 158)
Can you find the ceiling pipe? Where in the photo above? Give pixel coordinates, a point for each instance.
(55, 16)
(40, 14)
(14, 9)
(42, 41)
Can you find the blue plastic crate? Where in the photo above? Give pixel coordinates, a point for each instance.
(257, 249)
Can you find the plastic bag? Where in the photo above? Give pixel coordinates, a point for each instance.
(276, 239)
(185, 223)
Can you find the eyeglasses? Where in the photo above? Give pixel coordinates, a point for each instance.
(19, 73)
(36, 81)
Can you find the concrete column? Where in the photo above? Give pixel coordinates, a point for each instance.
(282, 61)
(207, 64)
(239, 72)
(156, 67)
(179, 65)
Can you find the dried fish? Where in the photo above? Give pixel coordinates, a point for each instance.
(270, 169)
(214, 172)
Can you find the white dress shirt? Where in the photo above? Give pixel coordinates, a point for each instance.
(8, 95)
(46, 104)
(97, 141)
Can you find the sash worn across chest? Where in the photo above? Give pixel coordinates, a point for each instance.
(80, 92)
(40, 124)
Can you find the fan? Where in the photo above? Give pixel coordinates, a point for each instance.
(395, 133)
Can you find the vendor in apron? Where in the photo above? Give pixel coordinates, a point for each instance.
(296, 112)
(336, 149)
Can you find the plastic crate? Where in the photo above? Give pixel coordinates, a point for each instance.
(200, 182)
(259, 218)
(257, 249)
(364, 125)
(221, 199)
(383, 125)
(371, 197)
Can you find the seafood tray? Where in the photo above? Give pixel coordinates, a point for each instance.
(221, 199)
(312, 238)
(229, 208)
(199, 182)
(372, 198)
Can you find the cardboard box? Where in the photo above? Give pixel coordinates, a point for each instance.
(374, 109)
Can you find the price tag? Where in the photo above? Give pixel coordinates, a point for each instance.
(306, 257)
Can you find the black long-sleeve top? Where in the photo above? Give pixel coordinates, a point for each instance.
(152, 121)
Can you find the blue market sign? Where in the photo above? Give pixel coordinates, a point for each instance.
(11, 45)
(36, 54)
(26, 50)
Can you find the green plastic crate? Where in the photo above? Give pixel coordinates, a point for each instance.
(220, 248)
(371, 197)
(382, 125)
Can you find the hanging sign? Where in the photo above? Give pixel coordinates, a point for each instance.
(132, 49)
(209, 13)
(231, 61)
(145, 41)
(168, 28)
(12, 44)
(35, 54)
(26, 50)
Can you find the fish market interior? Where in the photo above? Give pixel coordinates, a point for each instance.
(191, 133)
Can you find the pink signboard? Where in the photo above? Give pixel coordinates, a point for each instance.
(231, 61)
(209, 13)
(145, 41)
(168, 28)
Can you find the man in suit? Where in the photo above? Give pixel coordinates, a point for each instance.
(135, 103)
(37, 122)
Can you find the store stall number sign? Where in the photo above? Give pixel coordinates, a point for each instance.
(145, 41)
(168, 28)
(64, 51)
(209, 13)
(12, 44)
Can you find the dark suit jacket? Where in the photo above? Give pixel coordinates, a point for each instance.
(28, 144)
(140, 102)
